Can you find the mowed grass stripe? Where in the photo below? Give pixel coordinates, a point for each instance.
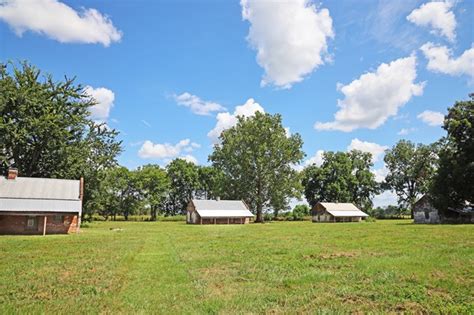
(285, 267)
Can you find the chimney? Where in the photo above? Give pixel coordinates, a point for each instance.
(12, 173)
(81, 188)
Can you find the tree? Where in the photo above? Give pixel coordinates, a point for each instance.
(256, 158)
(120, 193)
(46, 130)
(210, 182)
(300, 211)
(342, 177)
(453, 183)
(410, 170)
(154, 185)
(184, 181)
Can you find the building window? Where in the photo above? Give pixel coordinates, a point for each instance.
(31, 223)
(58, 219)
(427, 215)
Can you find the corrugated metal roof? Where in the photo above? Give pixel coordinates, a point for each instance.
(344, 213)
(39, 205)
(341, 209)
(225, 213)
(339, 206)
(39, 188)
(221, 208)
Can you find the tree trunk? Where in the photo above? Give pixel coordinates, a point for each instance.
(153, 213)
(259, 214)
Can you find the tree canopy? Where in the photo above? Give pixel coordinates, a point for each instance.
(453, 184)
(342, 177)
(256, 157)
(410, 171)
(46, 129)
(184, 181)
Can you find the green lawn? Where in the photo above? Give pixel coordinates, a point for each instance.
(295, 267)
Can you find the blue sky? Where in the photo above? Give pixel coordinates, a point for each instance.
(166, 73)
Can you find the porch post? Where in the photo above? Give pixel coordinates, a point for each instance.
(44, 225)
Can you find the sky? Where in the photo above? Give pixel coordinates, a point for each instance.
(171, 75)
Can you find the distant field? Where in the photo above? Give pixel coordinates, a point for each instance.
(171, 267)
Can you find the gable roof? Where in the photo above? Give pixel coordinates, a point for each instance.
(340, 209)
(40, 194)
(221, 208)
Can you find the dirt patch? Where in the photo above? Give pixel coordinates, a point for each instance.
(411, 308)
(331, 256)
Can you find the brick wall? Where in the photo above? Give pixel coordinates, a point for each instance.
(17, 224)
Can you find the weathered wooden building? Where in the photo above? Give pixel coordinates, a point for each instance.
(218, 212)
(337, 212)
(425, 212)
(39, 205)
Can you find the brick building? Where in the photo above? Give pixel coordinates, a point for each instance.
(39, 205)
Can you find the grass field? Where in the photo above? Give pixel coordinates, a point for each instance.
(284, 267)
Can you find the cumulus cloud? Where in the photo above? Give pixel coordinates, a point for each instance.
(189, 158)
(375, 149)
(438, 16)
(440, 60)
(227, 120)
(290, 38)
(405, 131)
(431, 118)
(380, 173)
(384, 199)
(150, 150)
(316, 159)
(197, 105)
(59, 21)
(104, 99)
(375, 96)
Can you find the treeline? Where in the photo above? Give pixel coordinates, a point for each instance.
(46, 130)
(153, 190)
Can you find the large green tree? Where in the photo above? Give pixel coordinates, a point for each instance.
(120, 193)
(453, 184)
(342, 177)
(210, 183)
(154, 186)
(46, 129)
(184, 181)
(410, 171)
(256, 157)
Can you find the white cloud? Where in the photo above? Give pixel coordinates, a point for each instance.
(440, 60)
(197, 105)
(150, 150)
(189, 158)
(290, 38)
(438, 16)
(316, 159)
(227, 120)
(405, 131)
(375, 149)
(380, 173)
(386, 198)
(59, 21)
(374, 97)
(431, 118)
(104, 99)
